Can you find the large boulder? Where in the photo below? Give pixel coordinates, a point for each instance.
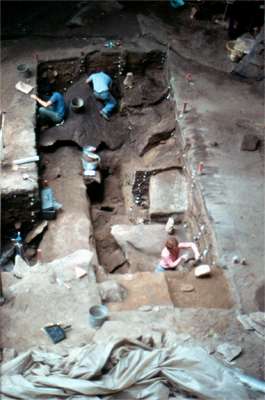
(168, 194)
(64, 269)
(146, 239)
(155, 134)
(112, 291)
(163, 157)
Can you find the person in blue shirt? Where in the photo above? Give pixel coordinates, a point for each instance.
(52, 110)
(101, 86)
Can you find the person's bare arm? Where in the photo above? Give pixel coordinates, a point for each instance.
(178, 261)
(190, 245)
(89, 79)
(40, 101)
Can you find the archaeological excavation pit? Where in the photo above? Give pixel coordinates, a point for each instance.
(142, 181)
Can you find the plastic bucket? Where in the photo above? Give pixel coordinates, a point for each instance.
(77, 104)
(24, 70)
(98, 315)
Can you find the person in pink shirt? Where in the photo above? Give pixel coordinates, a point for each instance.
(170, 256)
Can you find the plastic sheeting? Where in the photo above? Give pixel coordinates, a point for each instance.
(119, 369)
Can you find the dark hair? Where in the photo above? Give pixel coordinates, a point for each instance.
(172, 243)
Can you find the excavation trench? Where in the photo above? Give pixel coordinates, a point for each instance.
(142, 183)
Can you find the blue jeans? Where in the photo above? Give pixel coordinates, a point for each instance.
(159, 268)
(46, 114)
(109, 101)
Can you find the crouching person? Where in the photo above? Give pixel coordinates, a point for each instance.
(170, 256)
(101, 86)
(51, 111)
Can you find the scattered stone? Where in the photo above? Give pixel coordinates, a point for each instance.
(21, 268)
(156, 308)
(145, 308)
(36, 231)
(244, 261)
(202, 228)
(212, 334)
(128, 81)
(187, 288)
(205, 253)
(229, 351)
(169, 228)
(250, 142)
(236, 260)
(202, 270)
(80, 272)
(112, 291)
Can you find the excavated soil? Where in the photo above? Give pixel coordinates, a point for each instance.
(139, 141)
(208, 292)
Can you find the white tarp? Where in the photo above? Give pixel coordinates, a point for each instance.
(119, 369)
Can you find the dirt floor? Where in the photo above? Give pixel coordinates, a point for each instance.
(115, 200)
(208, 292)
(147, 136)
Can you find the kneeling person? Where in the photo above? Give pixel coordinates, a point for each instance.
(170, 256)
(52, 110)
